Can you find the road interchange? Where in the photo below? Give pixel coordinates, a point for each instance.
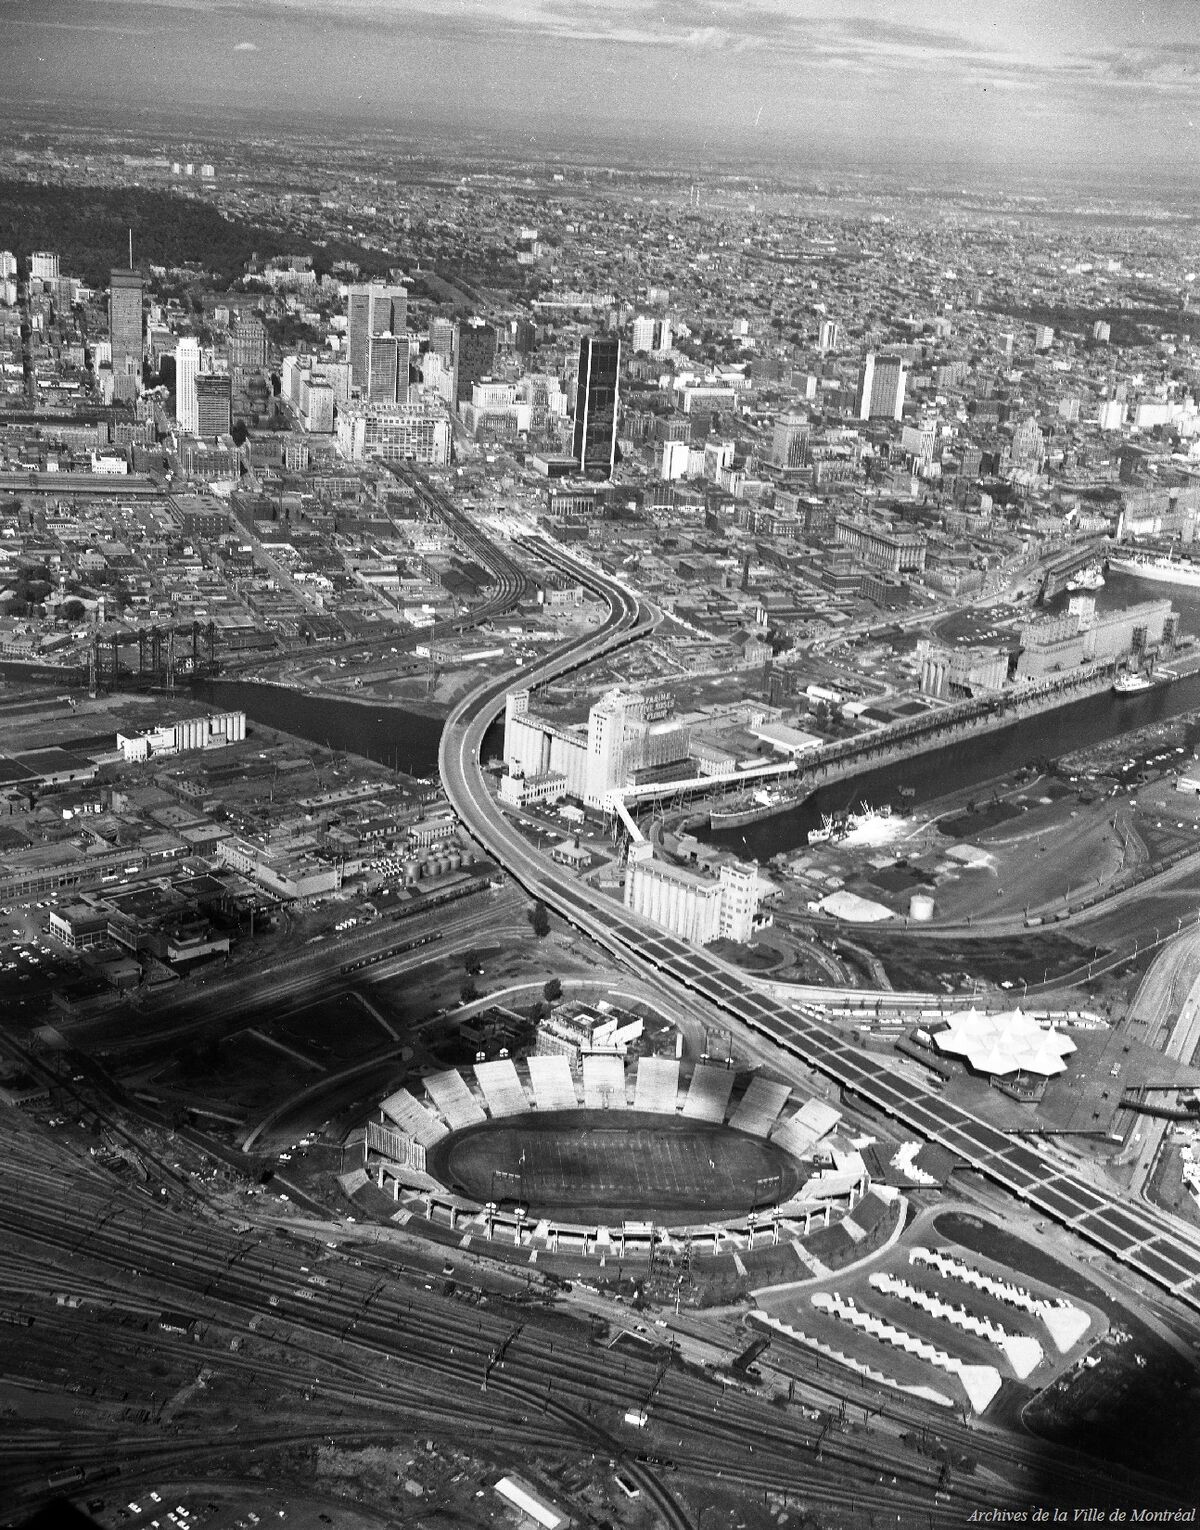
(1129, 1233)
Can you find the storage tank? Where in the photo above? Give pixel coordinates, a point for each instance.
(412, 870)
(454, 862)
(920, 907)
(190, 734)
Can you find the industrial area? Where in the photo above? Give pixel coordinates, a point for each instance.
(599, 830)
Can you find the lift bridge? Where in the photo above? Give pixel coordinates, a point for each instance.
(1066, 565)
(164, 656)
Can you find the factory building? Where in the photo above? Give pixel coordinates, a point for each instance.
(1083, 636)
(179, 738)
(695, 908)
(626, 731)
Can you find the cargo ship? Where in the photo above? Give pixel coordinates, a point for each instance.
(751, 807)
(838, 826)
(1131, 685)
(1157, 566)
(1090, 578)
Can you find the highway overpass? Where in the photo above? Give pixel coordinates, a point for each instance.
(1129, 1233)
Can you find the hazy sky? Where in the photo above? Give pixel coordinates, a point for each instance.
(1077, 84)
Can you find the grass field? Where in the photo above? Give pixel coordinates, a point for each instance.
(609, 1165)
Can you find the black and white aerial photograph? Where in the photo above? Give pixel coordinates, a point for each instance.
(599, 764)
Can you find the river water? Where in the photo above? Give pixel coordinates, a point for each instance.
(408, 741)
(970, 762)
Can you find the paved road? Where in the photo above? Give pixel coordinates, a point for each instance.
(1131, 1234)
(1154, 1005)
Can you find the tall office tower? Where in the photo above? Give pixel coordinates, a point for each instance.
(387, 369)
(317, 405)
(663, 336)
(375, 309)
(125, 332)
(789, 441)
(8, 264)
(474, 356)
(595, 444)
(43, 266)
(829, 336)
(881, 384)
(214, 398)
(643, 333)
(247, 344)
(187, 365)
(441, 337)
(294, 369)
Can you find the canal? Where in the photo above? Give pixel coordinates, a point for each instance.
(968, 762)
(408, 741)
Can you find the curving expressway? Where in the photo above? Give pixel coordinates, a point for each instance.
(1128, 1232)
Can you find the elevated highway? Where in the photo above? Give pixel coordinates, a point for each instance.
(1129, 1233)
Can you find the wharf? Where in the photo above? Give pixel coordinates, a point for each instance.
(904, 741)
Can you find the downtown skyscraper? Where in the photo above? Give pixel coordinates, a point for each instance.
(474, 356)
(374, 309)
(187, 365)
(125, 332)
(595, 442)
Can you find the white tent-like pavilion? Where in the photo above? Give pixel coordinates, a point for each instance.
(1005, 1044)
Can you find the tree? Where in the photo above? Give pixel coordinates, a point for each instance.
(468, 992)
(552, 990)
(539, 918)
(72, 610)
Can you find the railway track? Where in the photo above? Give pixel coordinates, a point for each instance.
(434, 1334)
(435, 1349)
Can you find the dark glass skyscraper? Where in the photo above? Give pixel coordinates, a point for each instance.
(596, 406)
(474, 356)
(213, 405)
(125, 331)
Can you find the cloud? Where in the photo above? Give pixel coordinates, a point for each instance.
(1169, 64)
(706, 38)
(246, 47)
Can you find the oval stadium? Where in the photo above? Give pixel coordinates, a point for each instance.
(610, 1165)
(616, 1154)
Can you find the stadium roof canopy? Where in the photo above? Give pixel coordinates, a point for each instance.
(1005, 1044)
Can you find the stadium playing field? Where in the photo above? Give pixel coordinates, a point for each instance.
(607, 1165)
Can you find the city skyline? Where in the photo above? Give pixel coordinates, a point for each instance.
(1074, 89)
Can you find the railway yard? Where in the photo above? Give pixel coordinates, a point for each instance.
(209, 1321)
(191, 1314)
(182, 1347)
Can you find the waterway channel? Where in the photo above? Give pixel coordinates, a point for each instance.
(968, 762)
(408, 741)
